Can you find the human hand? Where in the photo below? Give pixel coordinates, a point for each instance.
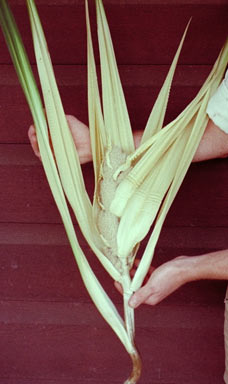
(80, 134)
(162, 281)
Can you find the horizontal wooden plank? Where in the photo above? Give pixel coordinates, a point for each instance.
(50, 352)
(141, 85)
(202, 191)
(36, 263)
(41, 335)
(139, 30)
(163, 316)
(32, 234)
(170, 238)
(27, 176)
(49, 273)
(25, 196)
(137, 75)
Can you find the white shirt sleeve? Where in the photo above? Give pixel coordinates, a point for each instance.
(217, 108)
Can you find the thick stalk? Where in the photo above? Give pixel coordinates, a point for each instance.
(130, 327)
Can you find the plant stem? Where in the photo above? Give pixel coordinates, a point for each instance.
(130, 327)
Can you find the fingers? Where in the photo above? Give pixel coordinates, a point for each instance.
(33, 140)
(135, 299)
(142, 296)
(139, 297)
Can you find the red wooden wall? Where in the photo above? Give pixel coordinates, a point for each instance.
(50, 333)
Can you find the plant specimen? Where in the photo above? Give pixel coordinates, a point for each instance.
(134, 188)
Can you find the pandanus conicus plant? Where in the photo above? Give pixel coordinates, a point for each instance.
(134, 187)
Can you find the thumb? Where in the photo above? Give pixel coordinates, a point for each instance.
(139, 297)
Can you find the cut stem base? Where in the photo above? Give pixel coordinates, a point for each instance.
(136, 370)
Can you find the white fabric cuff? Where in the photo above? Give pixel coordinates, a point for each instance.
(217, 108)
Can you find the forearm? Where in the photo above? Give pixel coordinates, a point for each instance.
(214, 144)
(208, 266)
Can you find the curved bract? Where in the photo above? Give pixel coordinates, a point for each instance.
(134, 188)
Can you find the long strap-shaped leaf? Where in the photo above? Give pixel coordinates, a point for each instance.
(117, 124)
(100, 298)
(96, 122)
(20, 60)
(156, 118)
